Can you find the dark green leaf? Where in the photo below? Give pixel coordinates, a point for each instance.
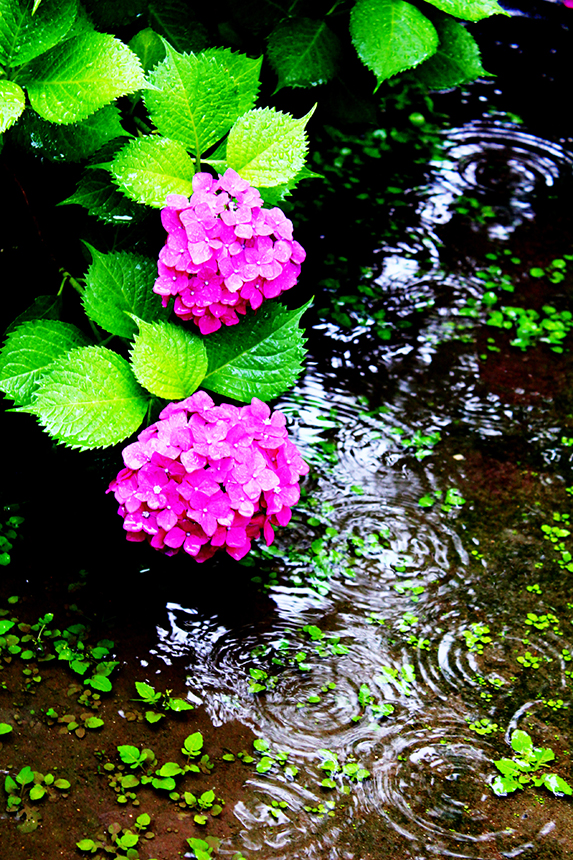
(303, 52)
(30, 350)
(150, 168)
(174, 20)
(457, 60)
(12, 103)
(148, 46)
(90, 399)
(81, 75)
(391, 36)
(25, 35)
(109, 14)
(261, 357)
(471, 10)
(168, 360)
(267, 147)
(43, 307)
(195, 103)
(275, 195)
(97, 193)
(72, 142)
(118, 284)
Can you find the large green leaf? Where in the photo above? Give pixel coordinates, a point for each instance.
(119, 284)
(72, 142)
(97, 193)
(260, 357)
(149, 47)
(149, 168)
(90, 399)
(76, 78)
(303, 52)
(268, 147)
(195, 101)
(168, 360)
(25, 34)
(175, 20)
(457, 60)
(12, 103)
(244, 72)
(391, 36)
(471, 10)
(29, 350)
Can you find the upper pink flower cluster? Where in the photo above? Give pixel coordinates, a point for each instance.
(224, 251)
(206, 477)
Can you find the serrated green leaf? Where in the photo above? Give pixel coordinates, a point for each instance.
(90, 399)
(267, 147)
(25, 35)
(118, 284)
(168, 360)
(148, 46)
(72, 142)
(30, 350)
(174, 20)
(471, 10)
(274, 196)
(12, 104)
(391, 36)
(244, 72)
(150, 168)
(261, 357)
(457, 60)
(195, 102)
(97, 193)
(303, 52)
(81, 75)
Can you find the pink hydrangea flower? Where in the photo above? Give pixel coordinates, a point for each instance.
(224, 252)
(207, 477)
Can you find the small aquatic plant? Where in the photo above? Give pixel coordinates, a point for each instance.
(206, 477)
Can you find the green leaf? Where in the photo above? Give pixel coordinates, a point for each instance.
(261, 357)
(93, 723)
(180, 705)
(503, 785)
(25, 35)
(37, 792)
(72, 142)
(174, 20)
(118, 284)
(195, 102)
(30, 350)
(12, 104)
(521, 742)
(192, 744)
(166, 783)
(129, 754)
(5, 626)
(557, 785)
(99, 682)
(471, 10)
(128, 840)
(43, 307)
(26, 776)
(86, 845)
(168, 360)
(80, 76)
(97, 193)
(90, 399)
(147, 692)
(457, 60)
(274, 196)
(148, 46)
(267, 147)
(170, 768)
(243, 71)
(150, 168)
(303, 52)
(5, 728)
(391, 36)
(153, 717)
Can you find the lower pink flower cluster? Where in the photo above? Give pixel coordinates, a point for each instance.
(208, 477)
(224, 251)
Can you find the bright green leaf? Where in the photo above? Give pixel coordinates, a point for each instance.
(557, 785)
(153, 717)
(303, 52)
(26, 776)
(521, 741)
(174, 19)
(128, 839)
(243, 71)
(391, 36)
(5, 728)
(72, 142)
(86, 845)
(12, 103)
(195, 102)
(147, 692)
(261, 357)
(168, 360)
(170, 768)
(25, 35)
(37, 792)
(97, 193)
(150, 168)
(179, 705)
(81, 75)
(93, 723)
(30, 350)
(192, 744)
(457, 60)
(267, 147)
(5, 626)
(148, 46)
(471, 10)
(118, 284)
(165, 783)
(100, 682)
(90, 399)
(129, 754)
